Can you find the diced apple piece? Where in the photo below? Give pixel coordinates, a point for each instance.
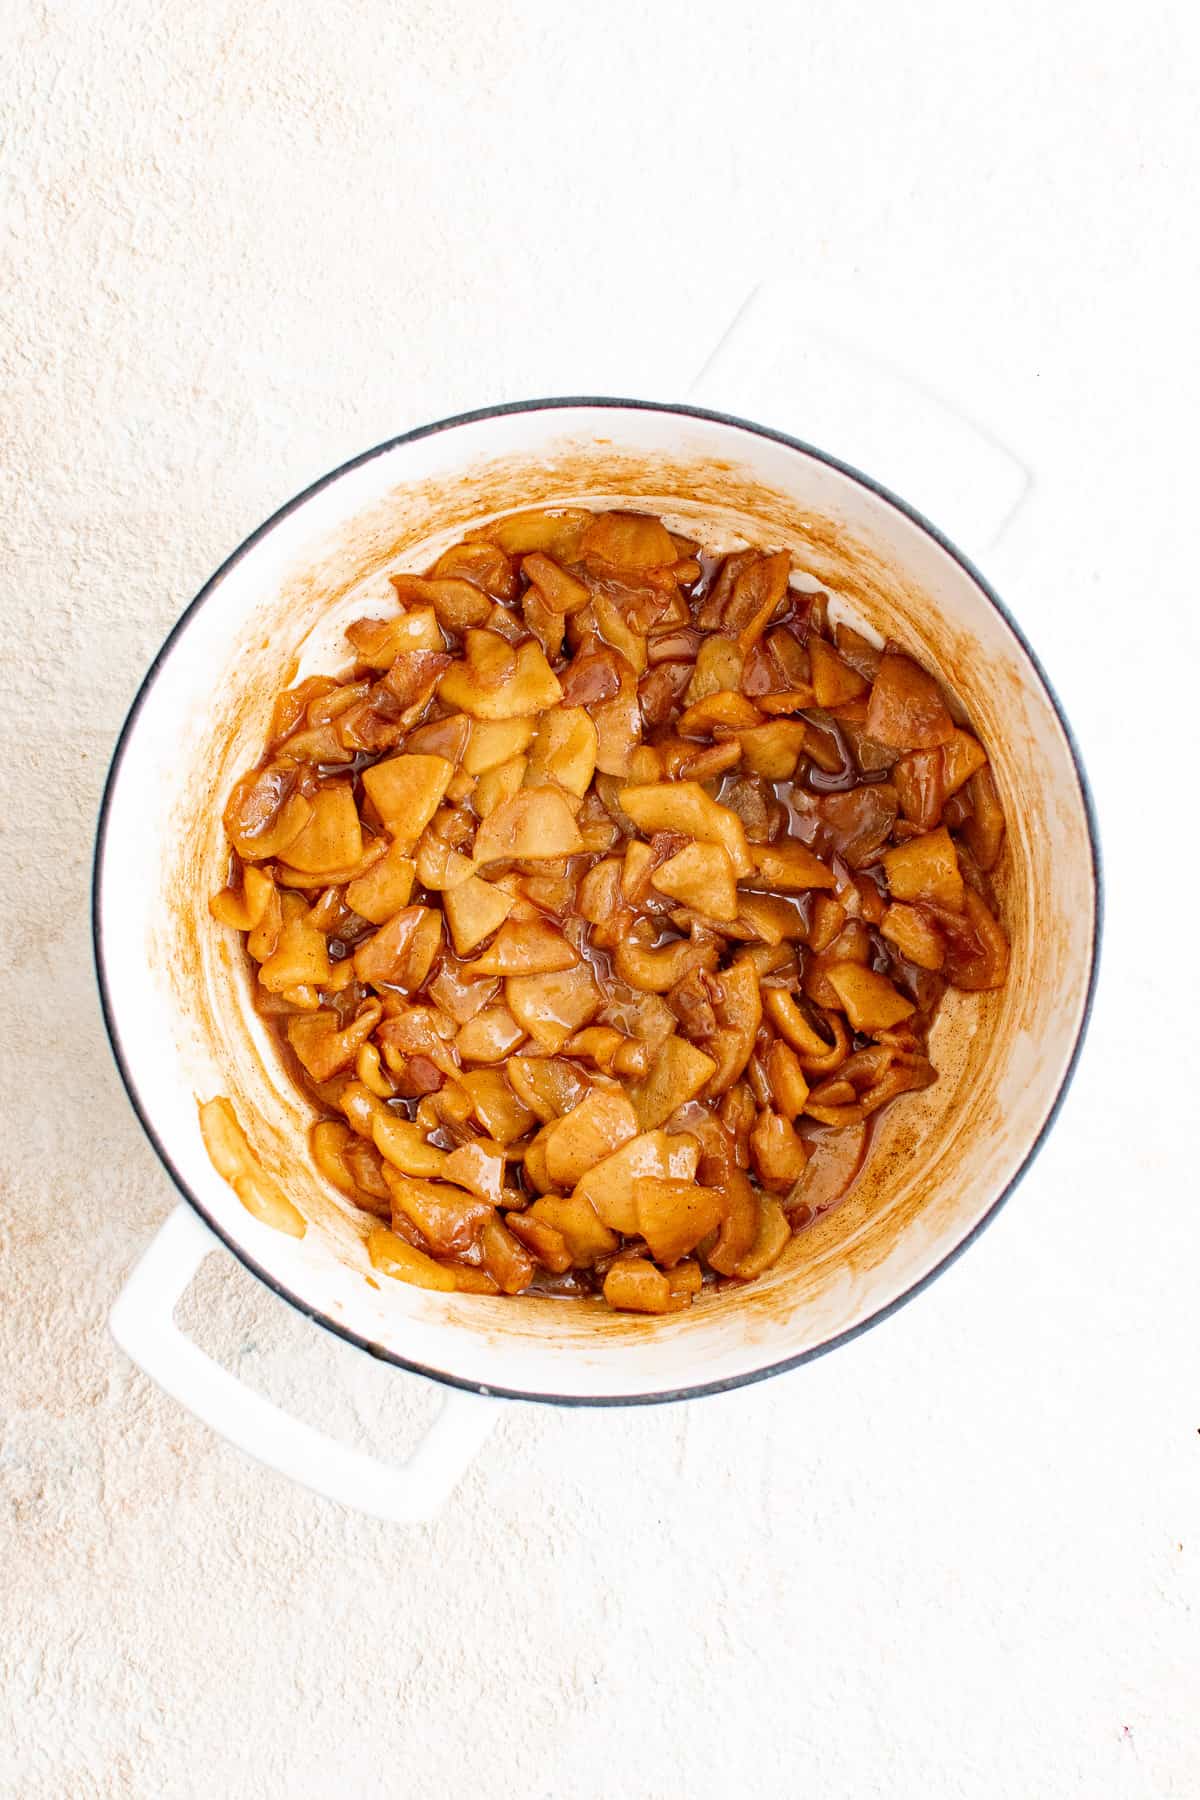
(556, 531)
(478, 1167)
(489, 1037)
(791, 867)
(658, 969)
(984, 830)
(458, 604)
(496, 786)
(770, 917)
(777, 1150)
(327, 1139)
(524, 947)
(789, 700)
(739, 1015)
(739, 1227)
(495, 741)
(551, 1007)
(916, 938)
(871, 1002)
(611, 1185)
(385, 889)
(301, 955)
(961, 757)
(378, 642)
(723, 710)
(685, 807)
(502, 1115)
(261, 818)
(469, 1280)
(772, 1234)
(325, 1048)
(403, 1144)
(507, 1262)
(789, 1089)
(474, 909)
(618, 725)
(773, 750)
(535, 823)
(685, 1280)
(530, 689)
(700, 876)
(448, 1218)
(439, 866)
(926, 868)
(391, 1255)
(919, 781)
(246, 909)
(402, 952)
(230, 1154)
(576, 1143)
(550, 1086)
(541, 1239)
(559, 591)
(677, 1074)
(976, 947)
(635, 1285)
(574, 1218)
(406, 791)
(906, 710)
(564, 750)
(719, 665)
(627, 540)
(673, 1216)
(332, 837)
(834, 682)
(447, 737)
(485, 565)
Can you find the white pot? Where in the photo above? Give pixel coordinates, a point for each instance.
(177, 999)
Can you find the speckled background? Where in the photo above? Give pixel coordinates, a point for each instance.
(960, 1557)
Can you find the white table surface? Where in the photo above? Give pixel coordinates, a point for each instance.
(960, 1557)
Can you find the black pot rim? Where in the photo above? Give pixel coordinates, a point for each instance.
(699, 1389)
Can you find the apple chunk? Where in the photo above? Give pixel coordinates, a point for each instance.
(536, 822)
(531, 688)
(551, 1007)
(597, 1127)
(674, 1215)
(685, 807)
(871, 1002)
(926, 868)
(611, 1186)
(677, 1074)
(474, 909)
(700, 876)
(406, 791)
(564, 750)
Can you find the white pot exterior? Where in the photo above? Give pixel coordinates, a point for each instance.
(177, 995)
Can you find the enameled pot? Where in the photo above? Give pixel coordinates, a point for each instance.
(176, 994)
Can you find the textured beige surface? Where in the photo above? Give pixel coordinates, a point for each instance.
(958, 1558)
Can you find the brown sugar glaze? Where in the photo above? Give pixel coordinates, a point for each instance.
(771, 849)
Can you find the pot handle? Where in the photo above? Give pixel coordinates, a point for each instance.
(142, 1321)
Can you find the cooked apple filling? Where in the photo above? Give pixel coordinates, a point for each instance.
(603, 902)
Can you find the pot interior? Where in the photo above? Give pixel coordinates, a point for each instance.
(178, 991)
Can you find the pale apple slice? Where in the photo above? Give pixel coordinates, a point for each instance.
(535, 823)
(406, 791)
(611, 1186)
(700, 876)
(685, 807)
(677, 1074)
(474, 909)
